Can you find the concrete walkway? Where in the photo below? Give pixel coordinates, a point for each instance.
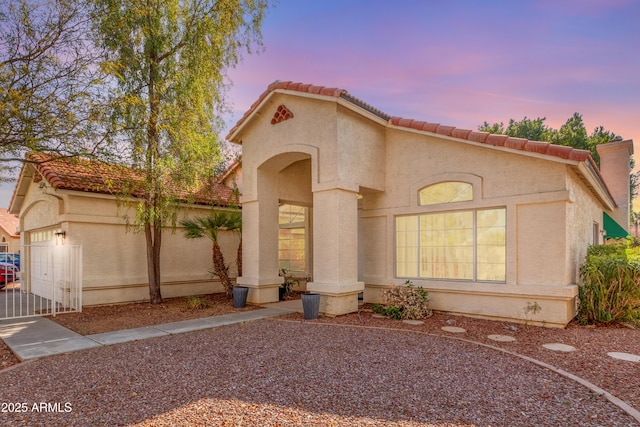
(34, 337)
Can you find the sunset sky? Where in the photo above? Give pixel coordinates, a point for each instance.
(456, 62)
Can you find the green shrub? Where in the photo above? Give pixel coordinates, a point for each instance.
(610, 285)
(391, 311)
(405, 302)
(196, 302)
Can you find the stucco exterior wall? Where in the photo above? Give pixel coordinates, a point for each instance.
(312, 131)
(583, 214)
(361, 151)
(294, 183)
(343, 158)
(12, 244)
(615, 169)
(114, 258)
(537, 197)
(40, 210)
(351, 149)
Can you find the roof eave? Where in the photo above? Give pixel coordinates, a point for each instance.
(594, 180)
(20, 190)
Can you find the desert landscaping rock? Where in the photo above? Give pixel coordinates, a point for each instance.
(251, 374)
(625, 356)
(559, 347)
(454, 329)
(379, 316)
(591, 363)
(413, 322)
(501, 338)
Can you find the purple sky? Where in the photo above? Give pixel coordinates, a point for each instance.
(457, 62)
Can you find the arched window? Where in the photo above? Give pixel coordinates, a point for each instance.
(466, 244)
(445, 192)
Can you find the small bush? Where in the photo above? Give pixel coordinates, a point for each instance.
(196, 303)
(391, 311)
(610, 288)
(405, 302)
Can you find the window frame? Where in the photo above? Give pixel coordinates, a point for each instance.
(304, 225)
(468, 188)
(474, 246)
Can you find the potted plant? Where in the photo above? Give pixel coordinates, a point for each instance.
(287, 285)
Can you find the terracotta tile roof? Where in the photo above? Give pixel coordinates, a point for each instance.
(9, 223)
(92, 176)
(505, 141)
(233, 167)
(521, 144)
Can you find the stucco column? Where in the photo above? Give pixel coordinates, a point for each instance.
(615, 168)
(260, 243)
(335, 251)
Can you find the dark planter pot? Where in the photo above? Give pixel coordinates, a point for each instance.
(281, 293)
(240, 296)
(311, 306)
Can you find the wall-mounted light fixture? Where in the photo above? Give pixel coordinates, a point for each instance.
(60, 235)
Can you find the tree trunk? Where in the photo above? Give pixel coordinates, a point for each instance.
(239, 259)
(221, 270)
(153, 218)
(153, 236)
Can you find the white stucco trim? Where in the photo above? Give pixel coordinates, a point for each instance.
(335, 289)
(519, 199)
(488, 289)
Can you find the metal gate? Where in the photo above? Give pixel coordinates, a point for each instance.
(48, 281)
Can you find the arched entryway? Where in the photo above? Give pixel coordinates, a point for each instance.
(285, 205)
(277, 215)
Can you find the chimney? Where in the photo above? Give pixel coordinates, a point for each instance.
(615, 168)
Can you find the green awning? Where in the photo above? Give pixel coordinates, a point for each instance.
(613, 230)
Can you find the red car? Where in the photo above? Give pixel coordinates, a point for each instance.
(8, 274)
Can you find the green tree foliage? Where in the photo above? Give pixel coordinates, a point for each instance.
(49, 97)
(572, 133)
(167, 60)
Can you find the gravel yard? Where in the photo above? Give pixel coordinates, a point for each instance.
(289, 373)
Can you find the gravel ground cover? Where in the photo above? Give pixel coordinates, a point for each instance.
(590, 360)
(108, 318)
(290, 373)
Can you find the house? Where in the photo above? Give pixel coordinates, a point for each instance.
(75, 202)
(9, 236)
(492, 226)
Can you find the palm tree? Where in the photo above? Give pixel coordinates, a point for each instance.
(235, 224)
(210, 226)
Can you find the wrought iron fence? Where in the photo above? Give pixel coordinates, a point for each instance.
(44, 280)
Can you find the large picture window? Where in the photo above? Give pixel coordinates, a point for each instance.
(462, 245)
